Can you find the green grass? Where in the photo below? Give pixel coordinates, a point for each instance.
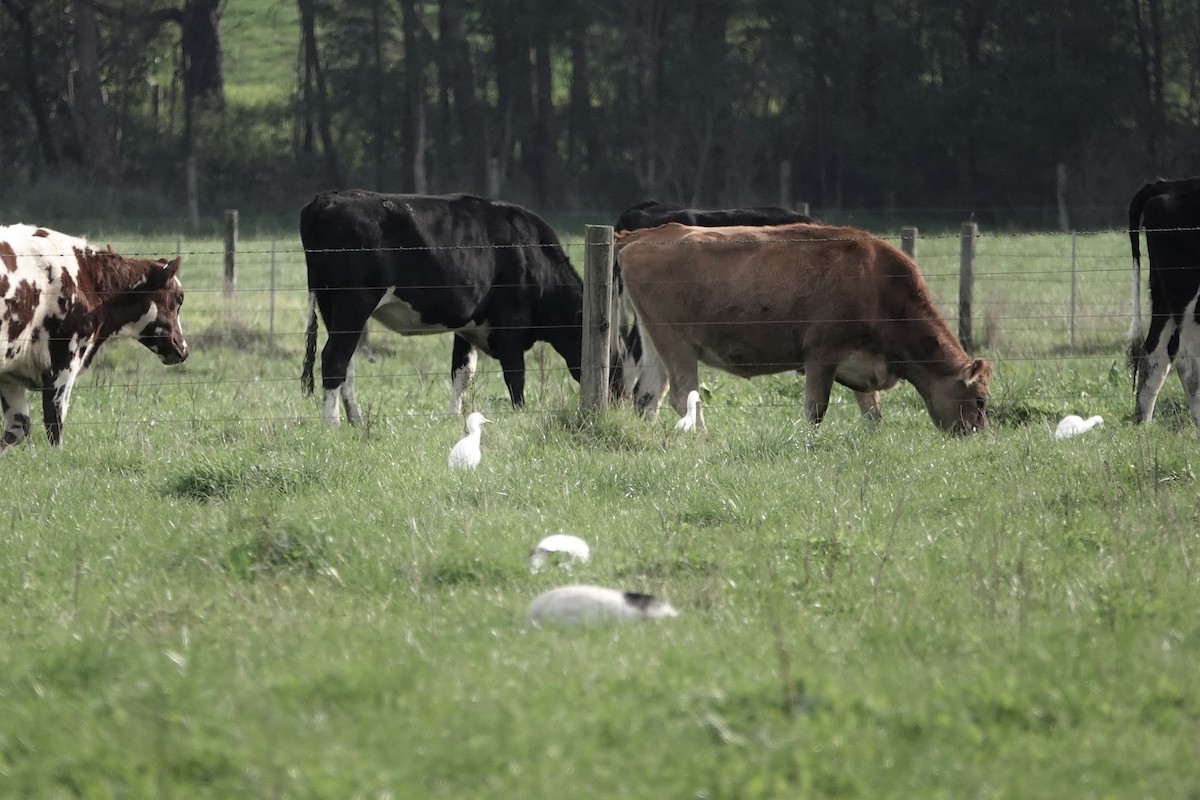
(209, 594)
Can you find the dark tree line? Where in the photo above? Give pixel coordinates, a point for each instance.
(966, 105)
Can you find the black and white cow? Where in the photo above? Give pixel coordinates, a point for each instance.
(1170, 212)
(492, 272)
(61, 299)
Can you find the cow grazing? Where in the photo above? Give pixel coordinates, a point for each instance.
(834, 303)
(1170, 211)
(62, 300)
(491, 272)
(650, 213)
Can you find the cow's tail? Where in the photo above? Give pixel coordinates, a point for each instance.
(1136, 354)
(310, 347)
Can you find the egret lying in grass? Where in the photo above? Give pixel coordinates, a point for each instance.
(560, 548)
(688, 421)
(582, 605)
(1073, 425)
(466, 454)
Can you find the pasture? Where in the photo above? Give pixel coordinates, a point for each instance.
(207, 593)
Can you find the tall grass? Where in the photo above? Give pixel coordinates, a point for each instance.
(207, 593)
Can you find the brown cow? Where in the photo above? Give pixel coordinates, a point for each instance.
(61, 299)
(834, 303)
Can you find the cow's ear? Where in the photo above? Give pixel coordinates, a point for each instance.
(978, 371)
(171, 268)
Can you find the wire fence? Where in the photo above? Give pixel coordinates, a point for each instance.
(1042, 301)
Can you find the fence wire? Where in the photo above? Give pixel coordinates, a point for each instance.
(1023, 310)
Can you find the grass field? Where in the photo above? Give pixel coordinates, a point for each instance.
(207, 593)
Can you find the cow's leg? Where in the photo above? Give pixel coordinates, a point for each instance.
(818, 383)
(349, 398)
(1157, 365)
(652, 380)
(868, 404)
(1187, 362)
(17, 423)
(1188, 368)
(512, 361)
(337, 375)
(345, 314)
(463, 361)
(56, 399)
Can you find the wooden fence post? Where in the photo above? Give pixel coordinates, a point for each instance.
(231, 239)
(597, 320)
(908, 241)
(271, 313)
(1072, 290)
(966, 281)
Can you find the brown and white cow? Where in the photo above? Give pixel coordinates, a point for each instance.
(62, 299)
(834, 303)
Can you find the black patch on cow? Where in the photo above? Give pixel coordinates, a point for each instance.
(651, 213)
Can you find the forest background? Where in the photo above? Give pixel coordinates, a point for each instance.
(1024, 113)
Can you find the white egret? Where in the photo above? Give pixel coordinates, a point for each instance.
(466, 454)
(582, 605)
(559, 547)
(1073, 425)
(688, 421)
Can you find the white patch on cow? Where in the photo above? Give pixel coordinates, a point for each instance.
(652, 382)
(461, 379)
(138, 325)
(401, 317)
(329, 412)
(1187, 363)
(866, 371)
(349, 398)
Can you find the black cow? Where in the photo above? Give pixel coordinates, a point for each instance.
(651, 213)
(493, 273)
(1170, 211)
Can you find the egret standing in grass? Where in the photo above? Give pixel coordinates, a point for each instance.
(559, 547)
(1073, 425)
(466, 454)
(689, 420)
(581, 605)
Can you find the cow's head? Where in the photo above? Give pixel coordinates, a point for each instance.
(149, 310)
(958, 402)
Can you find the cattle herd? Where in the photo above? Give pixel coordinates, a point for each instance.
(748, 291)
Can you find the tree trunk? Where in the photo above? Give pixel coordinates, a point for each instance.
(414, 98)
(542, 162)
(514, 83)
(318, 105)
(583, 149)
(464, 113)
(92, 125)
(38, 106)
(200, 40)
